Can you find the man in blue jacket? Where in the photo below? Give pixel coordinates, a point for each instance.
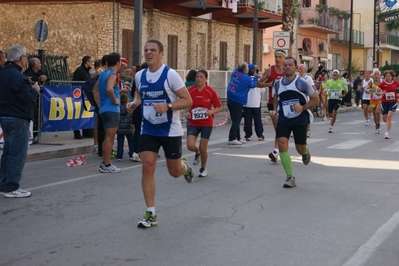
(17, 99)
(237, 95)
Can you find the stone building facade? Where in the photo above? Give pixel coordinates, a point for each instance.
(94, 28)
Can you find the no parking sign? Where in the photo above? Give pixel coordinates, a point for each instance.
(281, 40)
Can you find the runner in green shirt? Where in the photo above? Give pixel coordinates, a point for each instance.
(336, 89)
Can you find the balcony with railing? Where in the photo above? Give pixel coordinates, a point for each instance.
(343, 37)
(389, 39)
(320, 21)
(272, 6)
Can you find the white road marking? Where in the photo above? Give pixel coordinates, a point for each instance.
(100, 174)
(349, 144)
(392, 147)
(367, 249)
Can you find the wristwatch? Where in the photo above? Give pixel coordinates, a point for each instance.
(170, 106)
(304, 108)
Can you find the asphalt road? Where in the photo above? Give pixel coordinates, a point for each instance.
(344, 210)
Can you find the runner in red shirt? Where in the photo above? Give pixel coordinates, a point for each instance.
(206, 103)
(389, 99)
(270, 75)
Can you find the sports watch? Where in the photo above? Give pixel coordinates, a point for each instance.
(304, 108)
(170, 106)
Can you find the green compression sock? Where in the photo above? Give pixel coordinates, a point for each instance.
(286, 162)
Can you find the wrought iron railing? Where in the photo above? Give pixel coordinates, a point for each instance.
(357, 36)
(389, 39)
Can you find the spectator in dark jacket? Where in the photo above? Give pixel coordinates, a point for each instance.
(2, 59)
(17, 97)
(125, 129)
(82, 73)
(35, 74)
(356, 84)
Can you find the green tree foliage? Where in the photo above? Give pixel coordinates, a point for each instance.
(390, 67)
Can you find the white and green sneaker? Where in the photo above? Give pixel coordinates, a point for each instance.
(148, 221)
(189, 173)
(289, 182)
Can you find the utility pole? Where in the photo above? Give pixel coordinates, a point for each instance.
(350, 40)
(376, 33)
(138, 30)
(255, 33)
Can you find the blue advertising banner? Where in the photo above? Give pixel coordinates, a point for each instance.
(63, 109)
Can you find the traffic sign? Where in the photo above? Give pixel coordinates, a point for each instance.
(41, 31)
(281, 40)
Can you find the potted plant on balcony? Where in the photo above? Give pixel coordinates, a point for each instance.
(313, 21)
(321, 7)
(331, 10)
(261, 6)
(279, 10)
(337, 12)
(345, 15)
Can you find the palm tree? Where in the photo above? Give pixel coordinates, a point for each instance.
(392, 26)
(288, 20)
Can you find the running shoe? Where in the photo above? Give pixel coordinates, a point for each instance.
(135, 157)
(378, 131)
(234, 142)
(148, 221)
(203, 172)
(324, 118)
(247, 139)
(261, 138)
(243, 141)
(367, 123)
(306, 157)
(289, 182)
(330, 130)
(273, 156)
(95, 149)
(197, 159)
(189, 173)
(386, 135)
(19, 193)
(109, 169)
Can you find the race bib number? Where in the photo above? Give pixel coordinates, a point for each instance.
(151, 115)
(199, 113)
(390, 96)
(366, 96)
(288, 108)
(335, 95)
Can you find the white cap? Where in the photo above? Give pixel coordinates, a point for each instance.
(335, 71)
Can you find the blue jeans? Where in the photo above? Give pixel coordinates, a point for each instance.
(120, 141)
(235, 110)
(16, 137)
(255, 114)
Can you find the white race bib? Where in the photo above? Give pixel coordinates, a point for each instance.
(288, 108)
(199, 113)
(366, 96)
(335, 95)
(390, 96)
(151, 115)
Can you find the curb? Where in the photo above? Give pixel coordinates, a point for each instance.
(45, 155)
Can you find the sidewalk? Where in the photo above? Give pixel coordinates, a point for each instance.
(62, 144)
